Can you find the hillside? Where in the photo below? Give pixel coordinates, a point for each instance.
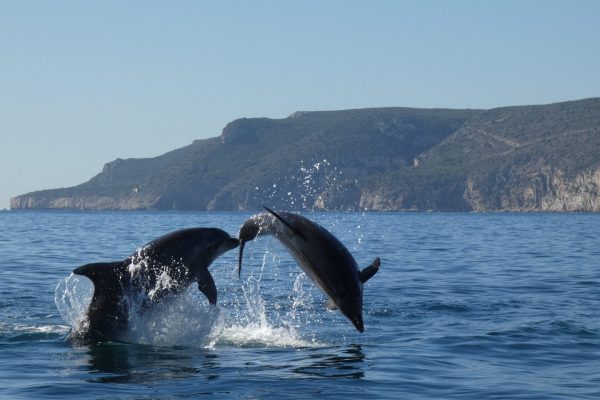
(530, 158)
(513, 158)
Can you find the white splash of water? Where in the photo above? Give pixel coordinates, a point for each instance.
(264, 336)
(260, 323)
(72, 297)
(187, 319)
(184, 320)
(256, 329)
(163, 282)
(60, 329)
(134, 268)
(298, 292)
(305, 190)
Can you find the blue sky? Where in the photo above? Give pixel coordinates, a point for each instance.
(82, 82)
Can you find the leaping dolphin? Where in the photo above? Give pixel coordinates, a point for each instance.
(164, 267)
(320, 254)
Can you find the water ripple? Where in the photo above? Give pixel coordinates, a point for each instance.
(466, 306)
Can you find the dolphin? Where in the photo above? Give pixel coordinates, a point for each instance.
(162, 268)
(320, 254)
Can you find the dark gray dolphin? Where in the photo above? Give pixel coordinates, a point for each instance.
(320, 254)
(162, 268)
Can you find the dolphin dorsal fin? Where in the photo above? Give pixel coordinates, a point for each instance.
(286, 223)
(206, 284)
(369, 271)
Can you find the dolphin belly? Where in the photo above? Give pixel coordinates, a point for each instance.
(319, 253)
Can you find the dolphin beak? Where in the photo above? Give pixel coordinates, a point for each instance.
(228, 244)
(241, 254)
(232, 243)
(358, 323)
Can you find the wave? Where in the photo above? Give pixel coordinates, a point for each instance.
(30, 332)
(58, 329)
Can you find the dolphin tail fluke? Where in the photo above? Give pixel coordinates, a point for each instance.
(206, 284)
(100, 274)
(371, 270)
(107, 287)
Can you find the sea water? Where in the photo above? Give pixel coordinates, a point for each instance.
(465, 306)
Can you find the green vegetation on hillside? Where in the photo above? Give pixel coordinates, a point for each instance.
(384, 159)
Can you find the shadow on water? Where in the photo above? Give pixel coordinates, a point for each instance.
(333, 363)
(126, 363)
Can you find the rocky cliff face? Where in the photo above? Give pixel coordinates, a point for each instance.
(89, 203)
(581, 193)
(540, 189)
(529, 158)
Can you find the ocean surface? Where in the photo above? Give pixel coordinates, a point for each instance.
(465, 306)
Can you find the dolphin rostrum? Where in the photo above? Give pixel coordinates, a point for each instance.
(320, 254)
(162, 268)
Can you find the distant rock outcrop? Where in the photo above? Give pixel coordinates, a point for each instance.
(526, 158)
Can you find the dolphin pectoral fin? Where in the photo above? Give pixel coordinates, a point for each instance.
(330, 305)
(286, 223)
(206, 285)
(371, 270)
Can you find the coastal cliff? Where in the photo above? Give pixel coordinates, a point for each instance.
(524, 158)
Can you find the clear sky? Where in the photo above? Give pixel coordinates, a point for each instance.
(85, 82)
